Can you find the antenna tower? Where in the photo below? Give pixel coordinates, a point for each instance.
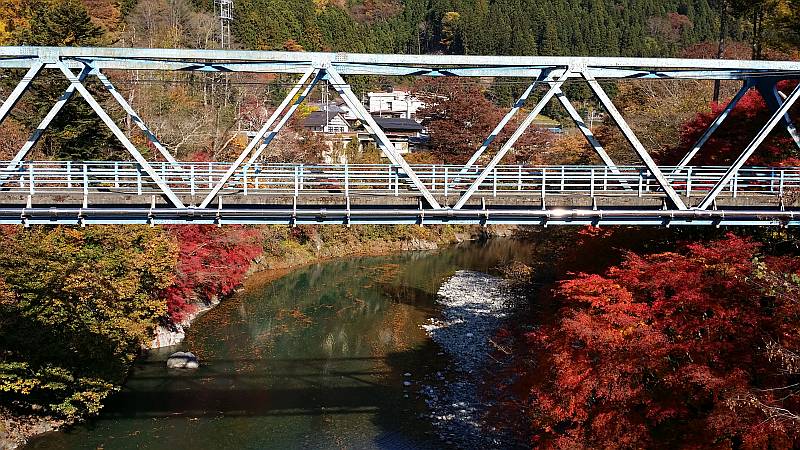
(225, 8)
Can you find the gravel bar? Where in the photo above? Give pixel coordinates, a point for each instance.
(474, 305)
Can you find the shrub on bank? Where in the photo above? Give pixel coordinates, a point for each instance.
(212, 262)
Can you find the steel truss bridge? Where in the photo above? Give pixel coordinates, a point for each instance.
(248, 191)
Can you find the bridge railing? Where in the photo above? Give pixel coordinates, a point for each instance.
(198, 178)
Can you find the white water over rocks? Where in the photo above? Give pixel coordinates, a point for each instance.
(474, 306)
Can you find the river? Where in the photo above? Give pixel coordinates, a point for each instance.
(319, 358)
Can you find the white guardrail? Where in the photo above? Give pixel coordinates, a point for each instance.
(198, 178)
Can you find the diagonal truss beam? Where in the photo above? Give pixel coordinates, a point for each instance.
(587, 133)
(268, 139)
(16, 94)
(751, 148)
(713, 128)
(513, 139)
(772, 96)
(45, 123)
(136, 119)
(571, 110)
(634, 141)
(346, 92)
(120, 135)
(265, 130)
(499, 128)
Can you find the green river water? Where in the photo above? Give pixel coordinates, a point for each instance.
(314, 359)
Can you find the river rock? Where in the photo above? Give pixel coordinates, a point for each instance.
(183, 360)
(418, 244)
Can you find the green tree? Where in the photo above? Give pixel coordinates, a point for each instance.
(64, 23)
(76, 133)
(75, 308)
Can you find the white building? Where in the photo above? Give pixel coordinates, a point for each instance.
(398, 104)
(331, 122)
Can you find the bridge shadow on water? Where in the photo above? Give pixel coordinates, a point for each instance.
(315, 388)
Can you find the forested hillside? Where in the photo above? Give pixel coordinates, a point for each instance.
(511, 27)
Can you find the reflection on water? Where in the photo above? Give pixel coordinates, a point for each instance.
(314, 359)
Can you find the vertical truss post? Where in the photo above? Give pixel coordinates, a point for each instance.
(769, 90)
(21, 88)
(136, 119)
(751, 148)
(260, 136)
(513, 139)
(713, 128)
(386, 145)
(499, 128)
(45, 123)
(633, 140)
(176, 202)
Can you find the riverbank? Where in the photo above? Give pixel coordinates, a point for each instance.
(330, 355)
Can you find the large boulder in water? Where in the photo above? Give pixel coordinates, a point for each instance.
(183, 360)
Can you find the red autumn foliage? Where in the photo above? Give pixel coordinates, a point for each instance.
(669, 350)
(739, 129)
(212, 262)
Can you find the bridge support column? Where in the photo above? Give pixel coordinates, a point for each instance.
(751, 148)
(634, 141)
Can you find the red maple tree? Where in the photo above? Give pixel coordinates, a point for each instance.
(670, 350)
(739, 129)
(212, 262)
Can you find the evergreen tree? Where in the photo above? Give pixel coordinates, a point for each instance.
(76, 133)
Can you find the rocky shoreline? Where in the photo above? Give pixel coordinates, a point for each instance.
(474, 306)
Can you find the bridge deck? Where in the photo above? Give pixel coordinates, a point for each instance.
(120, 192)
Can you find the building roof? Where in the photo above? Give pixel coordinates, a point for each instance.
(317, 119)
(397, 124)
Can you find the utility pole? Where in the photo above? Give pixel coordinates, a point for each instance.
(225, 10)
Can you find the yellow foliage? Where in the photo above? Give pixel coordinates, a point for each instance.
(14, 14)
